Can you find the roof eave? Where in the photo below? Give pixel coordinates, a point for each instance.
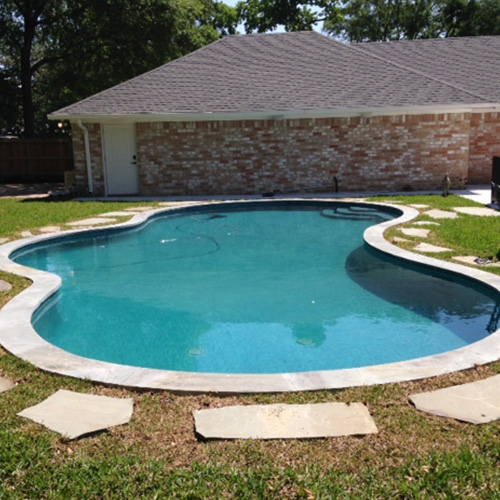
(276, 115)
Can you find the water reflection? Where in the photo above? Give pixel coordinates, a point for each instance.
(429, 293)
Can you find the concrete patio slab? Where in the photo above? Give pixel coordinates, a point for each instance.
(50, 229)
(415, 232)
(282, 421)
(5, 286)
(476, 403)
(426, 248)
(440, 214)
(118, 213)
(479, 211)
(92, 221)
(5, 384)
(73, 414)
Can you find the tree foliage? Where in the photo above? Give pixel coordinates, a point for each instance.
(55, 52)
(375, 20)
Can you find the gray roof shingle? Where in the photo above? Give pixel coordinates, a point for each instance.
(472, 63)
(303, 71)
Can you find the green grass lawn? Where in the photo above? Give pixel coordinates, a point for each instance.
(414, 455)
(466, 235)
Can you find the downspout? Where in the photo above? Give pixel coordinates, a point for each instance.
(85, 131)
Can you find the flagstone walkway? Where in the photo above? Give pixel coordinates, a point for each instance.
(454, 213)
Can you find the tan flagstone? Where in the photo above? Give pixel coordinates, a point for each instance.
(93, 221)
(425, 223)
(477, 402)
(118, 213)
(441, 214)
(5, 384)
(283, 421)
(73, 414)
(5, 286)
(50, 229)
(427, 248)
(4, 240)
(471, 259)
(479, 211)
(415, 232)
(139, 209)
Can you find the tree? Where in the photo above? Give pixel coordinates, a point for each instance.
(375, 20)
(63, 50)
(383, 20)
(470, 17)
(267, 15)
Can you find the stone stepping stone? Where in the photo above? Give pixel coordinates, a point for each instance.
(283, 421)
(425, 223)
(476, 403)
(93, 221)
(6, 384)
(426, 248)
(4, 240)
(119, 213)
(415, 232)
(479, 211)
(73, 414)
(50, 229)
(139, 209)
(440, 214)
(471, 259)
(397, 239)
(5, 286)
(419, 205)
(26, 234)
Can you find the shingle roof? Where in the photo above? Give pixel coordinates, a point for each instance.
(472, 63)
(303, 71)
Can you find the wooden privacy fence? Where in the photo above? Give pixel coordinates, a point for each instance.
(35, 160)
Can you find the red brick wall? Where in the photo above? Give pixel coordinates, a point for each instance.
(379, 153)
(96, 156)
(484, 144)
(243, 157)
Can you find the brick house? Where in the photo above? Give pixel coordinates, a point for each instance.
(256, 113)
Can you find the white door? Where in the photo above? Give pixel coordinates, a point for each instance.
(120, 156)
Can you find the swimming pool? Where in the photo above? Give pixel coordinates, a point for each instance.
(276, 289)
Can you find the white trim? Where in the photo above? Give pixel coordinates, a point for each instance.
(88, 156)
(279, 115)
(103, 154)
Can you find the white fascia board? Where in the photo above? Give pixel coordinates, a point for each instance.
(278, 115)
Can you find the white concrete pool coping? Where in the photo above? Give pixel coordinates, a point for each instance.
(18, 336)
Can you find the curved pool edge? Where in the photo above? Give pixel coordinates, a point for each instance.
(18, 336)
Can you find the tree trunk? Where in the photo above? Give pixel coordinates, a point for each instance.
(30, 21)
(27, 96)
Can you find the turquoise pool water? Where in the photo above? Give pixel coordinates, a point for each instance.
(260, 288)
